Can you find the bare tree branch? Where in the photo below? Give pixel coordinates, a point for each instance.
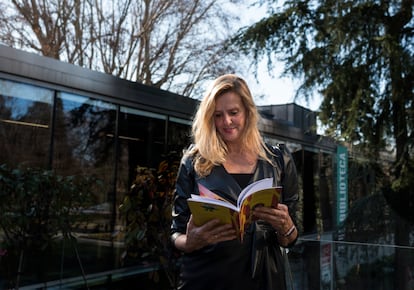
(173, 45)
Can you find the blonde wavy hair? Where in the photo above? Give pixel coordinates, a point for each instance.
(209, 148)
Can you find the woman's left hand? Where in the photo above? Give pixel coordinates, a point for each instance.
(280, 220)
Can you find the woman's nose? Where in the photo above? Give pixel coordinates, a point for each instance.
(228, 119)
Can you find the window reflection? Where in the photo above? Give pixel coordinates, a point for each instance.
(326, 190)
(141, 143)
(85, 145)
(25, 113)
(179, 135)
(84, 135)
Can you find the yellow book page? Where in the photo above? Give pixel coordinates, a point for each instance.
(267, 197)
(204, 212)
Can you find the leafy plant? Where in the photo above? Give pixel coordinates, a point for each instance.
(38, 206)
(147, 213)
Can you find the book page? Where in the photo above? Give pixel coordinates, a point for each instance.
(255, 186)
(268, 197)
(205, 192)
(209, 200)
(204, 211)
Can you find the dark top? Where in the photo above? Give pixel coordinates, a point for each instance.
(255, 264)
(242, 178)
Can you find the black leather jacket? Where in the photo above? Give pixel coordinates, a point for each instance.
(258, 260)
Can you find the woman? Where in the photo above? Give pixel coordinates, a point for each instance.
(228, 154)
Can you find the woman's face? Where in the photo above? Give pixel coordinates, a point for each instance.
(230, 117)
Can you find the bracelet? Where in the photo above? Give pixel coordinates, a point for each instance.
(174, 236)
(289, 232)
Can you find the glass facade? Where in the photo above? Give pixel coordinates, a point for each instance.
(131, 145)
(78, 135)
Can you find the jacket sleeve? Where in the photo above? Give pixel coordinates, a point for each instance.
(290, 183)
(185, 186)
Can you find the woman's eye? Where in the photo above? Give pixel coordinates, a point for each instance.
(233, 113)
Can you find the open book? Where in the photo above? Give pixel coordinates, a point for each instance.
(208, 205)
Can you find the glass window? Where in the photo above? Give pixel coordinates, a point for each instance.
(141, 143)
(310, 176)
(179, 135)
(84, 135)
(25, 113)
(326, 190)
(84, 144)
(141, 149)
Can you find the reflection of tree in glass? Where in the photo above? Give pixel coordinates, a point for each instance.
(25, 129)
(95, 125)
(84, 133)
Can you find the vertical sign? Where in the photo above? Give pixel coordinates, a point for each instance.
(342, 184)
(341, 209)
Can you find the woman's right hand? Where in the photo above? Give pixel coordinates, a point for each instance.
(198, 237)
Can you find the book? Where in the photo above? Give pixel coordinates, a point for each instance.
(208, 205)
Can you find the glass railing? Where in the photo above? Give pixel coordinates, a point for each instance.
(323, 263)
(315, 262)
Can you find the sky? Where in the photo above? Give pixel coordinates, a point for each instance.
(275, 90)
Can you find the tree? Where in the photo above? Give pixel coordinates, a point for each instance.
(166, 44)
(359, 56)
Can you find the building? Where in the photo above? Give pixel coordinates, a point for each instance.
(74, 121)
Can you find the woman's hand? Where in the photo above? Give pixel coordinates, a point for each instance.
(280, 220)
(198, 237)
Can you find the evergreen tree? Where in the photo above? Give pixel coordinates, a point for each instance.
(359, 55)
